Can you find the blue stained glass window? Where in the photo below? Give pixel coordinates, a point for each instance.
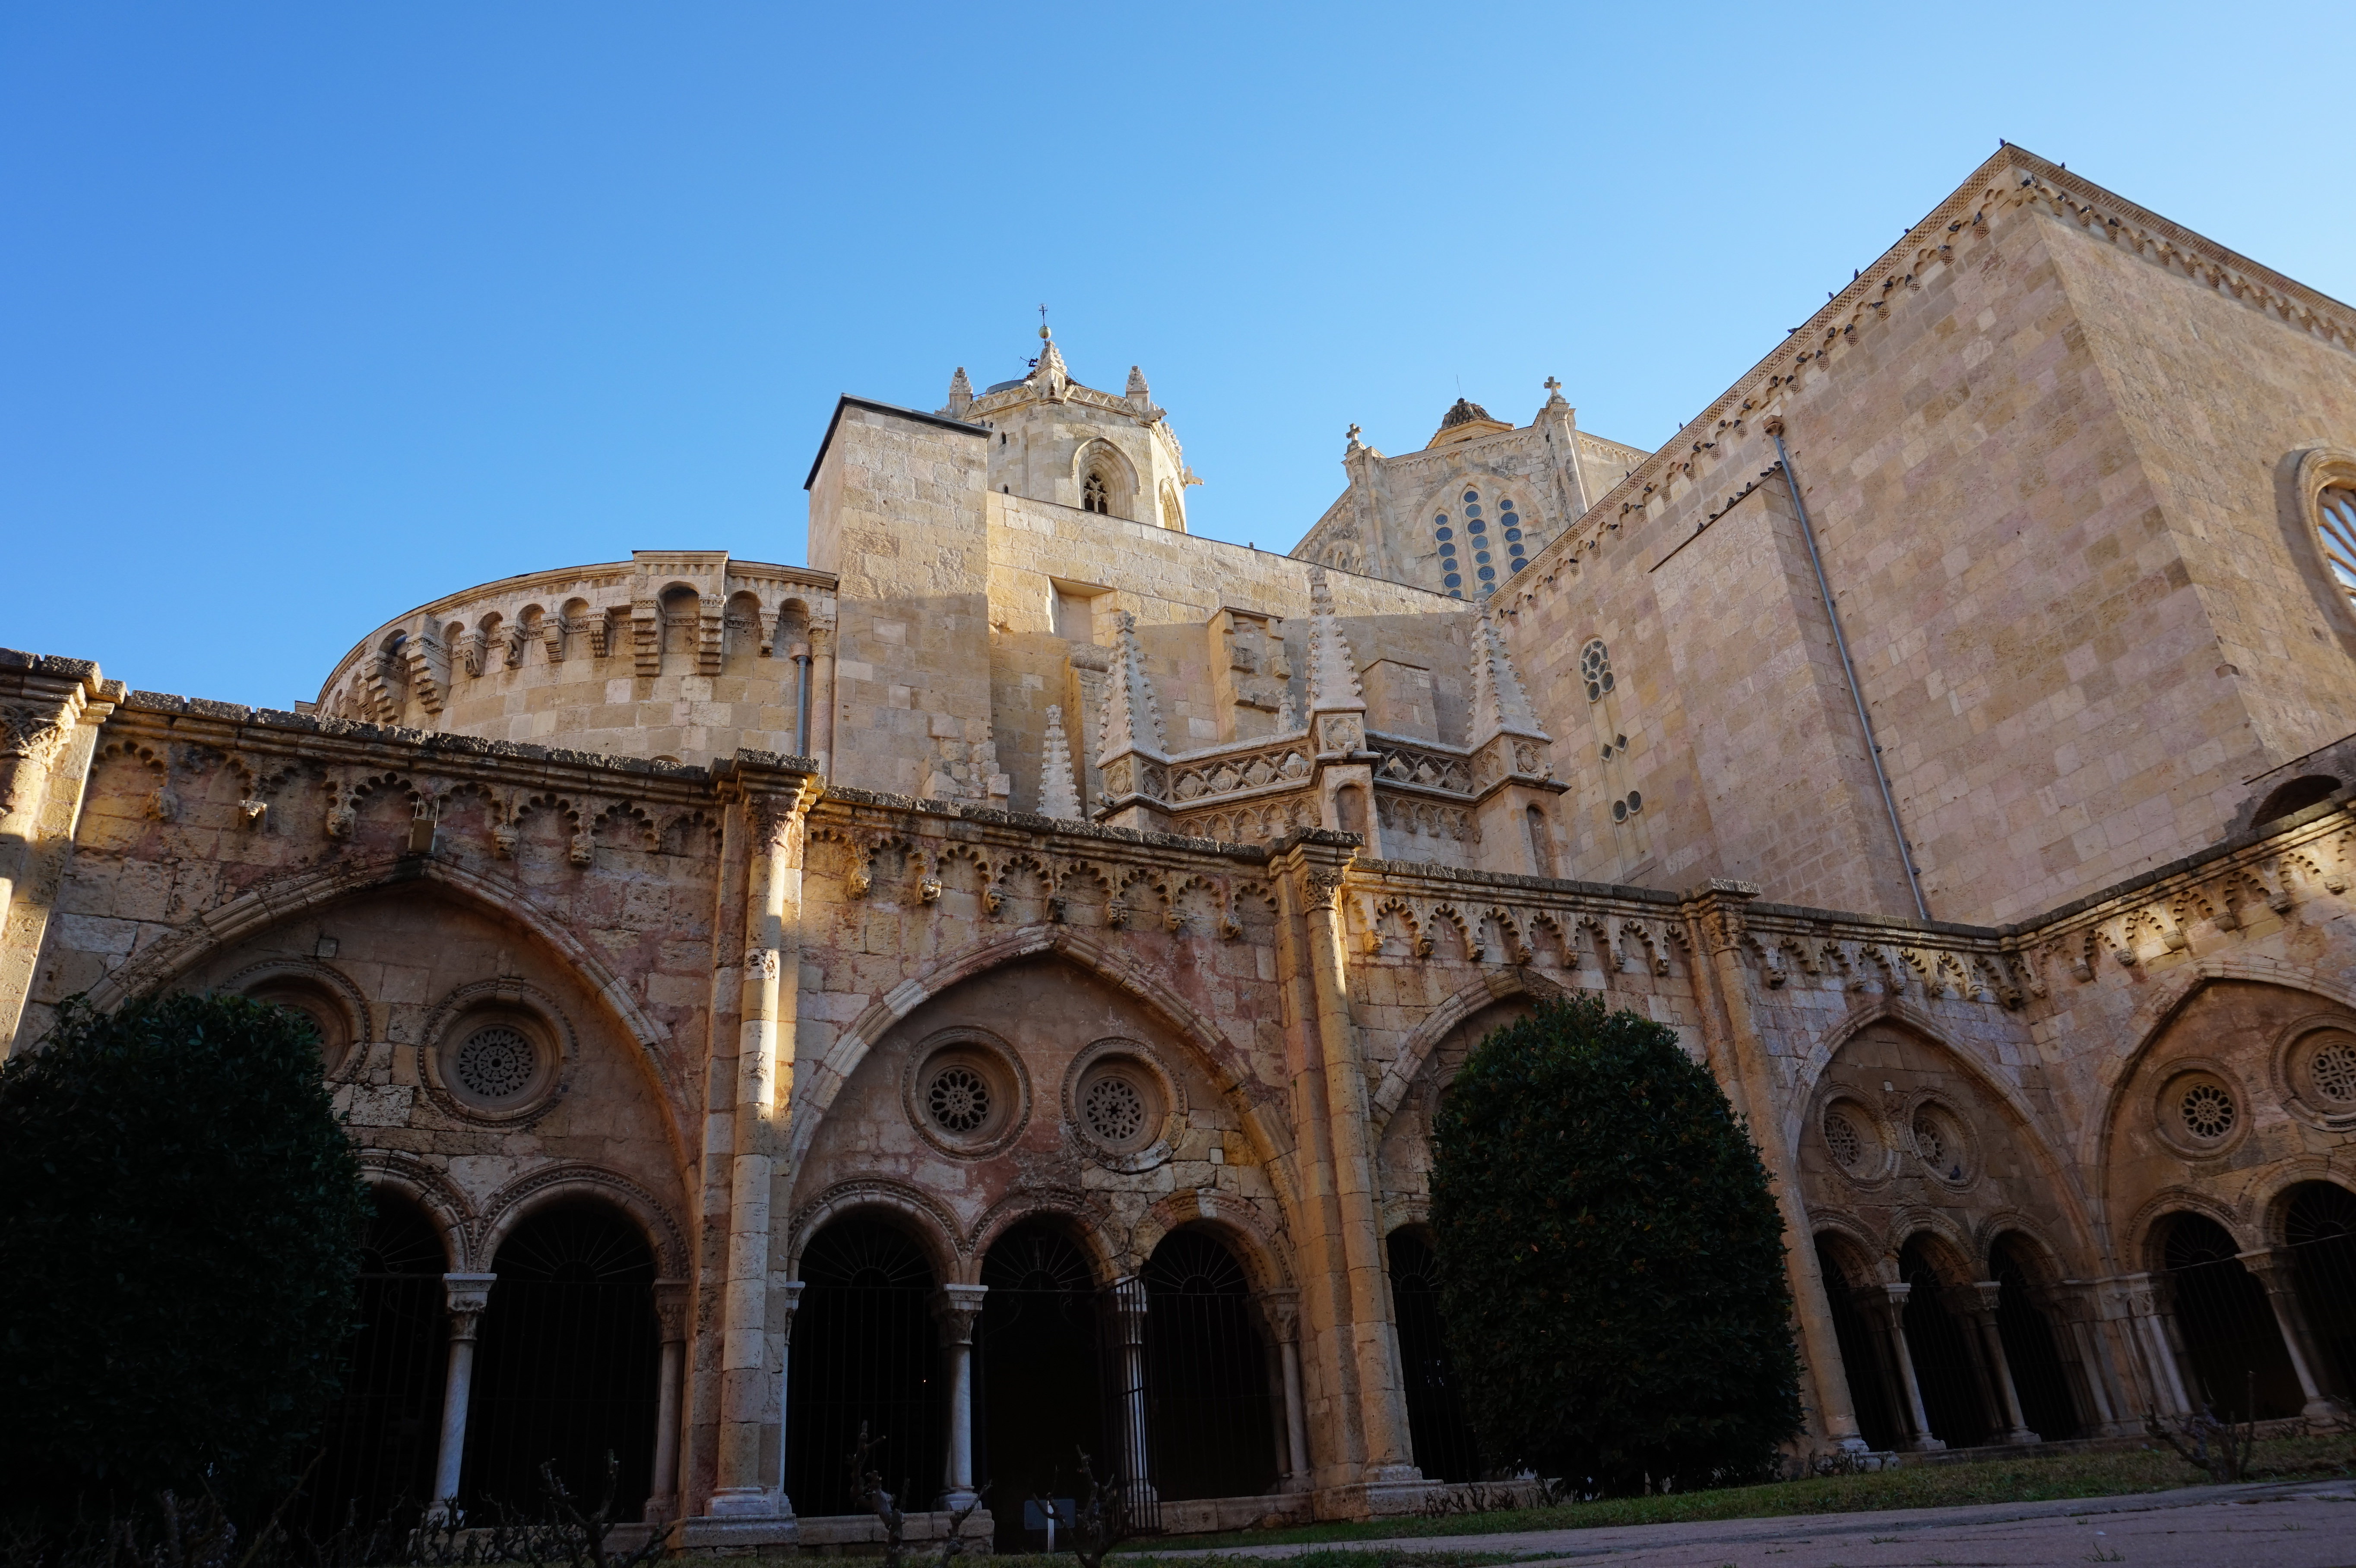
(1477, 525)
(1482, 556)
(1453, 580)
(1518, 565)
(1512, 532)
(1447, 550)
(1448, 533)
(1472, 494)
(1487, 572)
(1456, 593)
(1507, 503)
(1517, 549)
(1473, 513)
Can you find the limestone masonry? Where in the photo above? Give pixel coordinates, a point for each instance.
(1030, 907)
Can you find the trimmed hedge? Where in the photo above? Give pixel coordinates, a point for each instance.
(1612, 1258)
(179, 1242)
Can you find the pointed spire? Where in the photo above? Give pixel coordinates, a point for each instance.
(1049, 373)
(1500, 705)
(1333, 669)
(961, 394)
(1132, 718)
(1137, 393)
(1059, 796)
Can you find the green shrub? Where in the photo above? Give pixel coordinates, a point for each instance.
(179, 1238)
(1612, 1258)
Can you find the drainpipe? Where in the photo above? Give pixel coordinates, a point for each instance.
(1857, 694)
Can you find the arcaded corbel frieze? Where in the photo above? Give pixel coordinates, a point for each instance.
(645, 636)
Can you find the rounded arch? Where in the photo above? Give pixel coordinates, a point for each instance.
(908, 1209)
(1494, 986)
(1861, 1255)
(1941, 1243)
(520, 1199)
(1069, 1213)
(2028, 1244)
(443, 1201)
(1231, 1220)
(2144, 1238)
(2271, 1202)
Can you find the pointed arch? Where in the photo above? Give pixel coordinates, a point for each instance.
(1494, 986)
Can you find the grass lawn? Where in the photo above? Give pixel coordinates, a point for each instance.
(1913, 1486)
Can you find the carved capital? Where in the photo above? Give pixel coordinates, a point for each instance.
(467, 1296)
(671, 1301)
(789, 1303)
(1320, 886)
(761, 962)
(33, 732)
(1282, 1310)
(956, 1306)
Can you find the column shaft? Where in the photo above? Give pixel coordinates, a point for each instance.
(1894, 1307)
(465, 1296)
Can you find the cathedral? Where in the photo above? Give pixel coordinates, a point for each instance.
(991, 985)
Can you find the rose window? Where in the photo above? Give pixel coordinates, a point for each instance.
(496, 1062)
(1113, 1109)
(2208, 1111)
(1841, 1136)
(2333, 1067)
(2335, 531)
(958, 1099)
(1595, 669)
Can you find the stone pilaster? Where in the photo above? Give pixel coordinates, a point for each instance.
(50, 711)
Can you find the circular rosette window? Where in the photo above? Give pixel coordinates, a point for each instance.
(1121, 1105)
(1941, 1143)
(322, 997)
(966, 1092)
(2201, 1113)
(497, 1053)
(1852, 1138)
(2319, 1072)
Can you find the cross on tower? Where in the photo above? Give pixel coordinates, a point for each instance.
(1551, 384)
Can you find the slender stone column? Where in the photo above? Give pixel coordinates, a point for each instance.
(821, 740)
(2146, 1311)
(1131, 1472)
(671, 1315)
(1282, 1310)
(1980, 1299)
(2093, 1379)
(801, 699)
(956, 1308)
(2277, 1270)
(1714, 912)
(1893, 1317)
(465, 1296)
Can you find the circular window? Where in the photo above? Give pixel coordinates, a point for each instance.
(497, 1060)
(1940, 1144)
(958, 1098)
(966, 1092)
(323, 997)
(1121, 1105)
(1844, 1141)
(1113, 1109)
(2206, 1110)
(496, 1063)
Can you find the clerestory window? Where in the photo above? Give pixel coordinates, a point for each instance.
(1094, 496)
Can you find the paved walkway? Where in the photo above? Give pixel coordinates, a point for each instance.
(2308, 1524)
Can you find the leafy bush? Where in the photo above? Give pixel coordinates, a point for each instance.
(177, 1246)
(1612, 1258)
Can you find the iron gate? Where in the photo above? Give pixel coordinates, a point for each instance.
(2038, 1377)
(1206, 1375)
(1037, 1388)
(1945, 1367)
(865, 1352)
(1444, 1445)
(383, 1429)
(2228, 1327)
(568, 1363)
(2322, 1235)
(1869, 1390)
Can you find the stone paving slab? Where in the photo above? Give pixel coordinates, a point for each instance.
(2260, 1525)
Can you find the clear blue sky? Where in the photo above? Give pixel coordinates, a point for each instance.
(309, 314)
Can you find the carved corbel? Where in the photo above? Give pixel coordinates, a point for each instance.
(928, 889)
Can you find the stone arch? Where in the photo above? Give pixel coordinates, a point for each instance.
(535, 1191)
(1212, 1050)
(276, 902)
(443, 1202)
(1410, 1212)
(2050, 1269)
(1494, 986)
(2152, 1019)
(1101, 458)
(1856, 1247)
(2269, 1202)
(1236, 1224)
(909, 1210)
(2144, 1236)
(1949, 1247)
(1081, 1221)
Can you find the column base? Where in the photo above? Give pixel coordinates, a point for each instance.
(2329, 1413)
(1923, 1445)
(709, 1532)
(1389, 1491)
(2021, 1436)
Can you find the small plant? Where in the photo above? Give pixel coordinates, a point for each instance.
(867, 1484)
(1100, 1520)
(2210, 1445)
